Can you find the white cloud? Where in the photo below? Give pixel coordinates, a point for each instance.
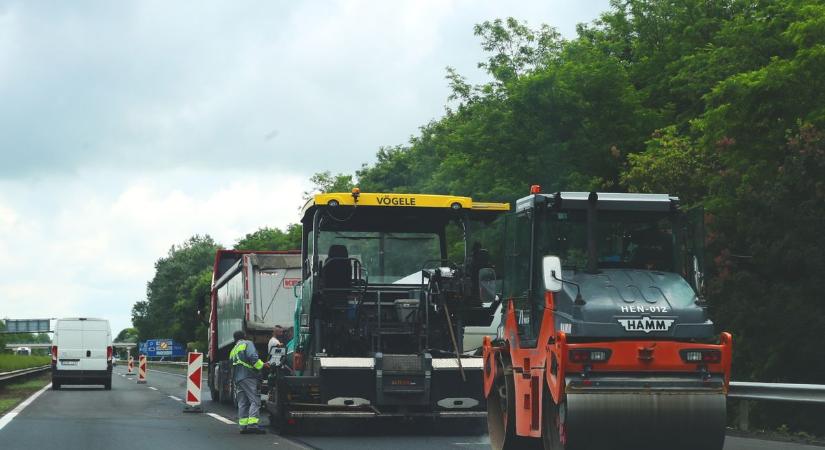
(94, 254)
(128, 127)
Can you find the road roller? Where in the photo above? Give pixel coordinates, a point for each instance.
(605, 340)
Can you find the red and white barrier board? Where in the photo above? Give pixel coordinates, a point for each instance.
(142, 370)
(194, 376)
(130, 365)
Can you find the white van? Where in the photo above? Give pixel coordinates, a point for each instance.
(82, 352)
(474, 336)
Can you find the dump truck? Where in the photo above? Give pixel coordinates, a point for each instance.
(252, 291)
(605, 339)
(389, 281)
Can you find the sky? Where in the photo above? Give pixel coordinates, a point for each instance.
(127, 127)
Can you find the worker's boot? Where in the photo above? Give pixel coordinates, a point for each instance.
(244, 430)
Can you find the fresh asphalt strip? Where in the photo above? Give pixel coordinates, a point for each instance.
(210, 414)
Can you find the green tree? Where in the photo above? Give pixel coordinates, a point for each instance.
(272, 239)
(127, 335)
(327, 182)
(721, 103)
(174, 296)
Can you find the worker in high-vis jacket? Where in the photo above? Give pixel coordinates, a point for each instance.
(246, 367)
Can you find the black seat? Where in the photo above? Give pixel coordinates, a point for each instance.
(338, 268)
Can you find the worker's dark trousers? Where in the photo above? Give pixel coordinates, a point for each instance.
(249, 402)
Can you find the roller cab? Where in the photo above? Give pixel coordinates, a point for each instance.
(605, 339)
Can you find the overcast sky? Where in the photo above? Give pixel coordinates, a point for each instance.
(126, 127)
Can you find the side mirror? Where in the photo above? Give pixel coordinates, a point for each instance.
(551, 269)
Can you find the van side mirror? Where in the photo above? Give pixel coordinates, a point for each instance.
(551, 269)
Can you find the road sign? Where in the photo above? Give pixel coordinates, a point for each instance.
(27, 326)
(154, 348)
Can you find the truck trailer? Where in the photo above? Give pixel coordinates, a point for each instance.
(252, 291)
(389, 281)
(606, 341)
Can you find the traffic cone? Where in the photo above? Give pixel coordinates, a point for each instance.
(194, 375)
(142, 370)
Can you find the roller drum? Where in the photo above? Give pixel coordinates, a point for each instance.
(645, 420)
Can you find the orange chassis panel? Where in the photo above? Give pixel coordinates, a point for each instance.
(529, 364)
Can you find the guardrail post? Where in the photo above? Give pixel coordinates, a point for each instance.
(744, 414)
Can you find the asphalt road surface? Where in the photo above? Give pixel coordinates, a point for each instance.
(151, 417)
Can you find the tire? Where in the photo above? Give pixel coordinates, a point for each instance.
(553, 431)
(107, 385)
(501, 415)
(277, 410)
(214, 387)
(56, 385)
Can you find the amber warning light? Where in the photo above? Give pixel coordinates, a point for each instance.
(535, 189)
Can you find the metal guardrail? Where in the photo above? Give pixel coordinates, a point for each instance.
(783, 392)
(13, 346)
(15, 375)
(168, 363)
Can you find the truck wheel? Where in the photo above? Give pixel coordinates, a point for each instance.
(107, 385)
(213, 392)
(55, 385)
(273, 405)
(501, 415)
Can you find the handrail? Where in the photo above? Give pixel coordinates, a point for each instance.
(784, 392)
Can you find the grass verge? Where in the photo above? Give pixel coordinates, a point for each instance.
(9, 362)
(12, 394)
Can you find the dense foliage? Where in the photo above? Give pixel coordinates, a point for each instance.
(272, 239)
(178, 294)
(721, 103)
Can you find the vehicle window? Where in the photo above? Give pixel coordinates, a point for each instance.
(386, 257)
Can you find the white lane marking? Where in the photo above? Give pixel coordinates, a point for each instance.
(220, 418)
(174, 398)
(153, 388)
(14, 412)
